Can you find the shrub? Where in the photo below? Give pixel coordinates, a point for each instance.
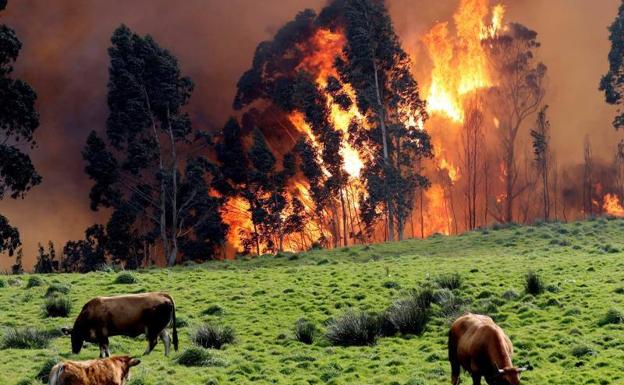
(305, 331)
(44, 372)
(409, 315)
(34, 281)
(353, 329)
(449, 281)
(213, 310)
(385, 326)
(391, 285)
(612, 317)
(510, 295)
(181, 322)
(450, 304)
(126, 278)
(533, 283)
(25, 338)
(196, 356)
(579, 351)
(213, 336)
(57, 288)
(2, 283)
(57, 306)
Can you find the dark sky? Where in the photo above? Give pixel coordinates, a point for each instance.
(64, 58)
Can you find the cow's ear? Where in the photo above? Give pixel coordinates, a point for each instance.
(134, 362)
(67, 331)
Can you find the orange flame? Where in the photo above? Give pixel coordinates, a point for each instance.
(460, 62)
(612, 205)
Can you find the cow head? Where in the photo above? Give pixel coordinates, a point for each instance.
(76, 338)
(124, 363)
(506, 376)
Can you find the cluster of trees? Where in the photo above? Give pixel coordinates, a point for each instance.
(18, 122)
(167, 184)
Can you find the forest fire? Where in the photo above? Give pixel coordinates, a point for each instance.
(612, 206)
(460, 69)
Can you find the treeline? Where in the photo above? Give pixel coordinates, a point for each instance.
(166, 182)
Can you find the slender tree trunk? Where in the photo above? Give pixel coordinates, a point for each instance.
(384, 139)
(344, 219)
(171, 259)
(422, 215)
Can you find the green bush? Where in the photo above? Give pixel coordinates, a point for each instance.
(44, 372)
(24, 338)
(196, 356)
(353, 329)
(213, 336)
(57, 288)
(580, 351)
(57, 306)
(2, 283)
(533, 283)
(449, 281)
(126, 278)
(613, 317)
(409, 315)
(34, 281)
(305, 331)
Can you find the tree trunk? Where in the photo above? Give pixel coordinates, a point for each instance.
(384, 139)
(344, 219)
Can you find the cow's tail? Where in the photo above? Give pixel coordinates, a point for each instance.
(55, 375)
(175, 329)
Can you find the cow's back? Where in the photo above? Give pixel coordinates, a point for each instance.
(476, 340)
(128, 314)
(92, 372)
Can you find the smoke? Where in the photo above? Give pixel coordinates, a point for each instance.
(64, 58)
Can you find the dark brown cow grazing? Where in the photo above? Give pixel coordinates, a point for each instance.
(481, 347)
(125, 315)
(107, 371)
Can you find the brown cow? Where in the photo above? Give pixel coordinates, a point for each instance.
(125, 315)
(106, 371)
(481, 347)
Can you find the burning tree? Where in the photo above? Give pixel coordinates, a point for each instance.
(252, 175)
(472, 156)
(388, 96)
(519, 93)
(149, 172)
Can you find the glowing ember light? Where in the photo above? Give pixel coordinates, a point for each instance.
(612, 205)
(326, 47)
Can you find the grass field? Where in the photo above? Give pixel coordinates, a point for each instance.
(557, 333)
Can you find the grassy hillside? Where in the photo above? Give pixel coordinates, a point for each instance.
(557, 333)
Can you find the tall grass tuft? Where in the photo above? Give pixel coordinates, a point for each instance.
(125, 278)
(213, 336)
(533, 283)
(409, 315)
(57, 306)
(305, 331)
(613, 317)
(449, 281)
(196, 356)
(353, 329)
(57, 288)
(24, 338)
(34, 281)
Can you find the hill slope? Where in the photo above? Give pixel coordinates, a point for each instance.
(555, 333)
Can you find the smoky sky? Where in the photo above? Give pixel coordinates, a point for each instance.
(65, 59)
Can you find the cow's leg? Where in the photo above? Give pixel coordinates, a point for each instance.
(152, 340)
(104, 352)
(164, 336)
(455, 371)
(476, 379)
